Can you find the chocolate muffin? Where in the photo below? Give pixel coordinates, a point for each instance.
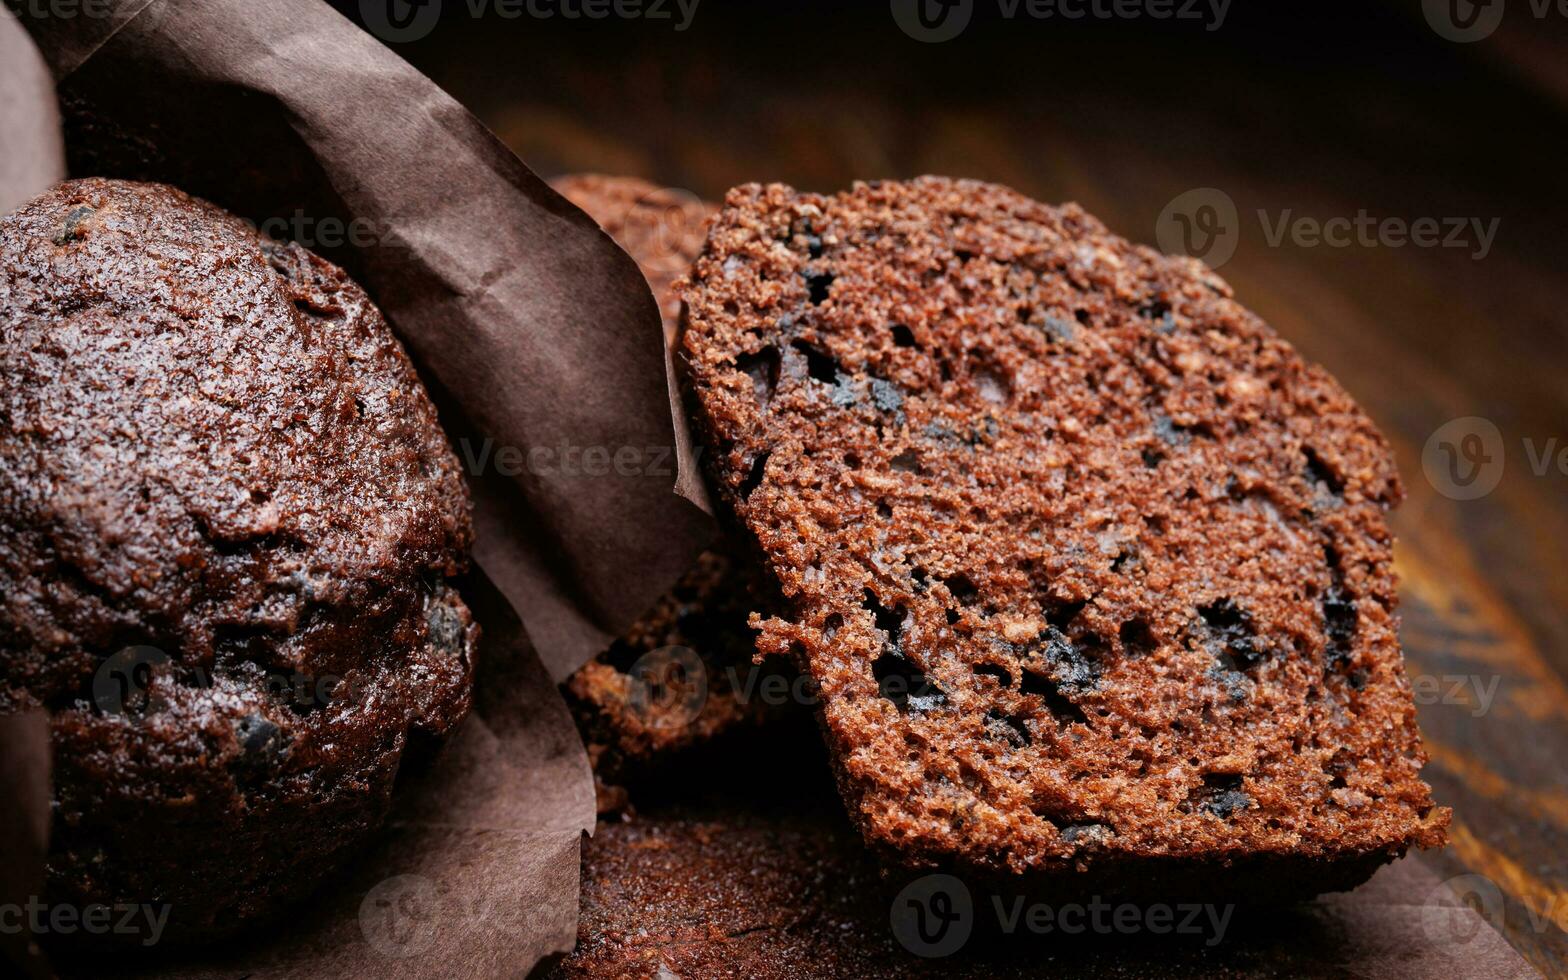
(1090, 567)
(681, 675)
(229, 525)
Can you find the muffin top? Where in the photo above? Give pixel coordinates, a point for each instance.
(213, 446)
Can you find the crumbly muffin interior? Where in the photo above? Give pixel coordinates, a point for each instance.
(1087, 563)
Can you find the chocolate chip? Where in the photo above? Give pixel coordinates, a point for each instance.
(446, 628)
(886, 396)
(1221, 794)
(71, 227)
(261, 741)
(1340, 617)
(1089, 832)
(1072, 668)
(1339, 624)
(1232, 637)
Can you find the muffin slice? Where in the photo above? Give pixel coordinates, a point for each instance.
(681, 675)
(1090, 567)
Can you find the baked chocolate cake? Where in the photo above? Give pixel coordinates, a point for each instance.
(229, 522)
(1090, 567)
(629, 727)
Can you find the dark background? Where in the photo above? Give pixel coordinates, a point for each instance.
(1324, 111)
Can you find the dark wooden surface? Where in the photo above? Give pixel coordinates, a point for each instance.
(1324, 118)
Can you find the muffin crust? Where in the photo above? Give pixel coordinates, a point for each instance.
(229, 522)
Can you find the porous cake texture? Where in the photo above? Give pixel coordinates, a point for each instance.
(1090, 567)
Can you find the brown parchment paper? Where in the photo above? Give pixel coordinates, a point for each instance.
(31, 154)
(536, 333)
(24, 824)
(31, 158)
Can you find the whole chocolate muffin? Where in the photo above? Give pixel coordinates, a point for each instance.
(229, 522)
(1090, 567)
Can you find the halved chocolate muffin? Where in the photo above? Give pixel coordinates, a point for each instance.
(1090, 567)
(229, 524)
(682, 674)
